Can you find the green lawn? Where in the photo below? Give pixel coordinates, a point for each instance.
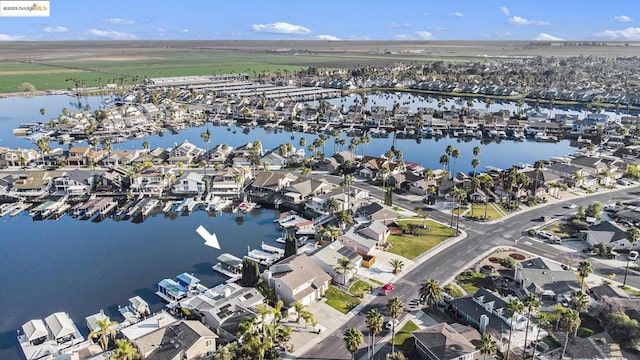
(404, 340)
(471, 281)
(453, 290)
(411, 246)
(478, 211)
(460, 210)
(340, 300)
(563, 229)
(631, 291)
(359, 288)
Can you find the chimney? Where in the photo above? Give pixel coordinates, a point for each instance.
(226, 292)
(484, 321)
(162, 322)
(267, 276)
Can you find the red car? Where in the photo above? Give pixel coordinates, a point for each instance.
(386, 289)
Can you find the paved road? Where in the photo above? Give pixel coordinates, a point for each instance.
(443, 267)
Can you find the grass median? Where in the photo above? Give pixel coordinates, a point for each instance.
(415, 240)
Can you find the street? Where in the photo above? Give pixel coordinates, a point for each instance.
(455, 258)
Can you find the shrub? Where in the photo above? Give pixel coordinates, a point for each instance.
(507, 262)
(584, 332)
(531, 232)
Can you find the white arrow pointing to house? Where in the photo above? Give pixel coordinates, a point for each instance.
(209, 239)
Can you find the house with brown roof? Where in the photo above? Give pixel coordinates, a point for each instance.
(78, 156)
(272, 182)
(298, 278)
(445, 342)
(185, 153)
(186, 340)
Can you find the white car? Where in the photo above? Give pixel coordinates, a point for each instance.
(545, 235)
(572, 206)
(633, 255)
(389, 324)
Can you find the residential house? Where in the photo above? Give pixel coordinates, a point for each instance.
(151, 180)
(185, 153)
(113, 180)
(148, 326)
(377, 231)
(377, 212)
(444, 342)
(78, 156)
(595, 165)
(190, 183)
(546, 283)
(298, 278)
(74, 182)
(373, 167)
(223, 307)
(328, 258)
(357, 242)
(243, 154)
(229, 182)
(302, 188)
(34, 183)
(122, 157)
(157, 156)
(486, 310)
(272, 182)
(273, 160)
(609, 233)
(186, 340)
(219, 154)
(567, 172)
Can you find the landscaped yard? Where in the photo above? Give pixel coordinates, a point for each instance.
(478, 210)
(453, 290)
(359, 288)
(471, 281)
(631, 291)
(562, 229)
(404, 340)
(340, 300)
(411, 246)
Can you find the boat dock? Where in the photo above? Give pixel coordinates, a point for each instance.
(147, 205)
(272, 249)
(229, 265)
(13, 209)
(263, 257)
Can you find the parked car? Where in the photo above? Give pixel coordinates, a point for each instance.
(544, 218)
(572, 206)
(633, 255)
(389, 324)
(545, 235)
(386, 289)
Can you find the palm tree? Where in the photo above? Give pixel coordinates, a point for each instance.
(444, 161)
(395, 308)
(374, 323)
(448, 151)
(571, 321)
(43, 145)
(125, 351)
(579, 301)
(632, 235)
(459, 194)
(537, 167)
(353, 339)
(515, 307)
(104, 332)
(347, 181)
(431, 293)
(397, 265)
(344, 218)
(474, 164)
(345, 267)
(277, 311)
(543, 322)
(333, 205)
(455, 154)
(486, 345)
(532, 304)
(299, 307)
(584, 269)
(146, 146)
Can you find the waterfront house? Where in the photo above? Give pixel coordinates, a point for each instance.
(297, 278)
(169, 290)
(223, 307)
(446, 342)
(272, 160)
(272, 182)
(377, 212)
(567, 173)
(229, 182)
(303, 188)
(219, 154)
(186, 340)
(185, 153)
(242, 155)
(156, 156)
(78, 156)
(190, 183)
(151, 180)
(17, 157)
(188, 281)
(328, 258)
(74, 182)
(121, 157)
(148, 326)
(34, 183)
(357, 242)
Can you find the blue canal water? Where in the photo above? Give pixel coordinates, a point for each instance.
(81, 266)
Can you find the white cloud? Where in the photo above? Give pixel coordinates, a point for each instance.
(119, 21)
(630, 33)
(457, 14)
(55, 29)
(547, 37)
(162, 30)
(328, 37)
(403, 37)
(502, 35)
(184, 30)
(623, 18)
(280, 28)
(436, 27)
(111, 34)
(5, 37)
(360, 38)
(518, 20)
(425, 35)
(504, 10)
(394, 24)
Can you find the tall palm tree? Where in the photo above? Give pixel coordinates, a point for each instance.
(474, 164)
(459, 194)
(584, 269)
(444, 161)
(476, 151)
(448, 151)
(345, 268)
(537, 167)
(146, 146)
(374, 323)
(632, 235)
(125, 351)
(395, 308)
(344, 218)
(353, 339)
(431, 293)
(532, 304)
(579, 301)
(455, 154)
(299, 307)
(571, 321)
(333, 205)
(104, 332)
(515, 307)
(543, 322)
(397, 265)
(486, 345)
(276, 311)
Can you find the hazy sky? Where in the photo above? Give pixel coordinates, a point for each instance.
(330, 20)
